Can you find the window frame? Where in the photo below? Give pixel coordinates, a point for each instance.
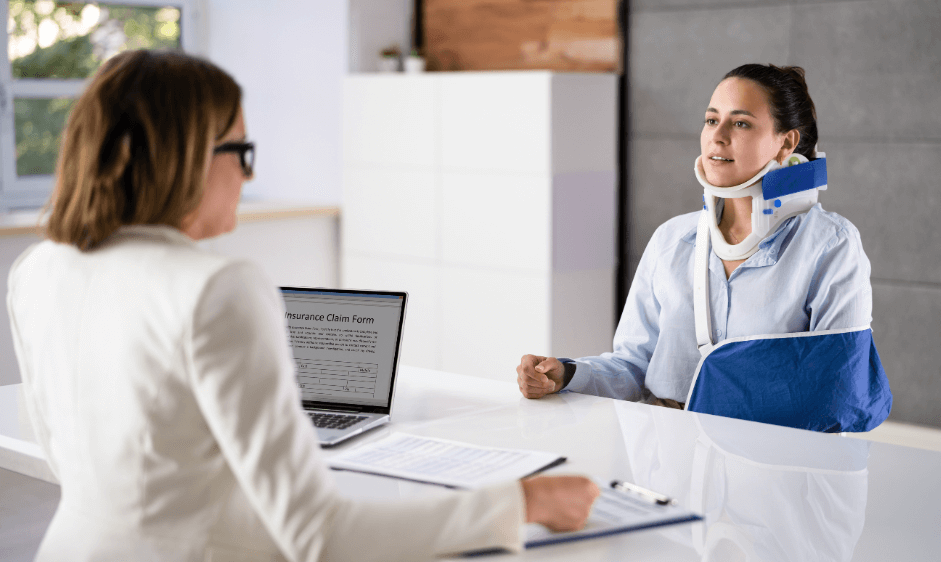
(31, 192)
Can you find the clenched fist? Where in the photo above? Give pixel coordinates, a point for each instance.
(538, 376)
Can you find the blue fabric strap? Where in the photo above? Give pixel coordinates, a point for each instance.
(794, 179)
(829, 382)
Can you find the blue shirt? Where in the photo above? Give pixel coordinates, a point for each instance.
(811, 274)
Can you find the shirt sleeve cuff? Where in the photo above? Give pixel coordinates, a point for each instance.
(576, 375)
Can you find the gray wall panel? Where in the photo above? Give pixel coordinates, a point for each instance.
(890, 192)
(662, 185)
(874, 68)
(905, 328)
(677, 58)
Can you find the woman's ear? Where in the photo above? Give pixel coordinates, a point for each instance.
(791, 140)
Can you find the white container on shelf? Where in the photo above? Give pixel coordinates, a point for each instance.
(414, 64)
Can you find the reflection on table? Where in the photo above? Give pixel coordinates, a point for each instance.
(767, 493)
(763, 496)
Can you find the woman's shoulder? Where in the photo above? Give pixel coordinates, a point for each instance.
(163, 245)
(677, 228)
(158, 258)
(828, 240)
(828, 227)
(681, 228)
(23, 264)
(175, 259)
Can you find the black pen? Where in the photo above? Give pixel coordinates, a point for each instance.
(650, 496)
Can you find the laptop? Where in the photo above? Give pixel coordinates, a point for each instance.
(346, 346)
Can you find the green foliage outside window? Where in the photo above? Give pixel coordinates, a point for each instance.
(70, 40)
(39, 123)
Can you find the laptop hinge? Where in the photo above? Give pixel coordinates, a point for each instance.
(347, 409)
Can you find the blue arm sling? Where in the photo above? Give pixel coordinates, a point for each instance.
(829, 381)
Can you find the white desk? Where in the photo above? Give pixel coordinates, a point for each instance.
(785, 495)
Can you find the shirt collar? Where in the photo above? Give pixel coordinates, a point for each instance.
(769, 249)
(157, 231)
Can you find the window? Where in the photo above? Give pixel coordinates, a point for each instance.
(52, 48)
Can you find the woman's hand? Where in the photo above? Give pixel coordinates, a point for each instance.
(561, 503)
(538, 376)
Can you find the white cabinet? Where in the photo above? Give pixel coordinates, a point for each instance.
(491, 198)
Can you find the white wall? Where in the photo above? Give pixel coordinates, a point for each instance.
(290, 58)
(375, 25)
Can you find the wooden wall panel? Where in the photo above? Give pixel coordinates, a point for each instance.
(564, 35)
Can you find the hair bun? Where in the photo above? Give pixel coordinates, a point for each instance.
(788, 98)
(797, 73)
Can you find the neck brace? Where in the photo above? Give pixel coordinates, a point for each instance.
(778, 193)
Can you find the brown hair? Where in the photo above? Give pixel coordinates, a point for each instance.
(136, 144)
(789, 99)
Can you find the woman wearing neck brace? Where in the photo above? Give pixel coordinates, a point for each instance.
(772, 324)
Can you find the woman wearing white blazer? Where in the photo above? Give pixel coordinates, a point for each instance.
(158, 376)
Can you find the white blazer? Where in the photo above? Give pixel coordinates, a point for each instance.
(161, 388)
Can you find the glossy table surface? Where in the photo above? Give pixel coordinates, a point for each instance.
(766, 493)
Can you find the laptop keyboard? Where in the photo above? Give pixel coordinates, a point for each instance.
(334, 421)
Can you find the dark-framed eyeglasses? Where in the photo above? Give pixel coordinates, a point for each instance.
(246, 152)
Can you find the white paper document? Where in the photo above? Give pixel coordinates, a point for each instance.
(612, 513)
(443, 462)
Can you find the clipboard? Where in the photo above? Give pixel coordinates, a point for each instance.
(614, 512)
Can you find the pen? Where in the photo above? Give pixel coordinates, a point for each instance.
(652, 497)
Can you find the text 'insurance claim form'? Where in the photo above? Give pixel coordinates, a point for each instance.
(344, 344)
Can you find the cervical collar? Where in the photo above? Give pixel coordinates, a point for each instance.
(778, 193)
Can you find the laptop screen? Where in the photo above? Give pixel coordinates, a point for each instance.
(345, 343)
